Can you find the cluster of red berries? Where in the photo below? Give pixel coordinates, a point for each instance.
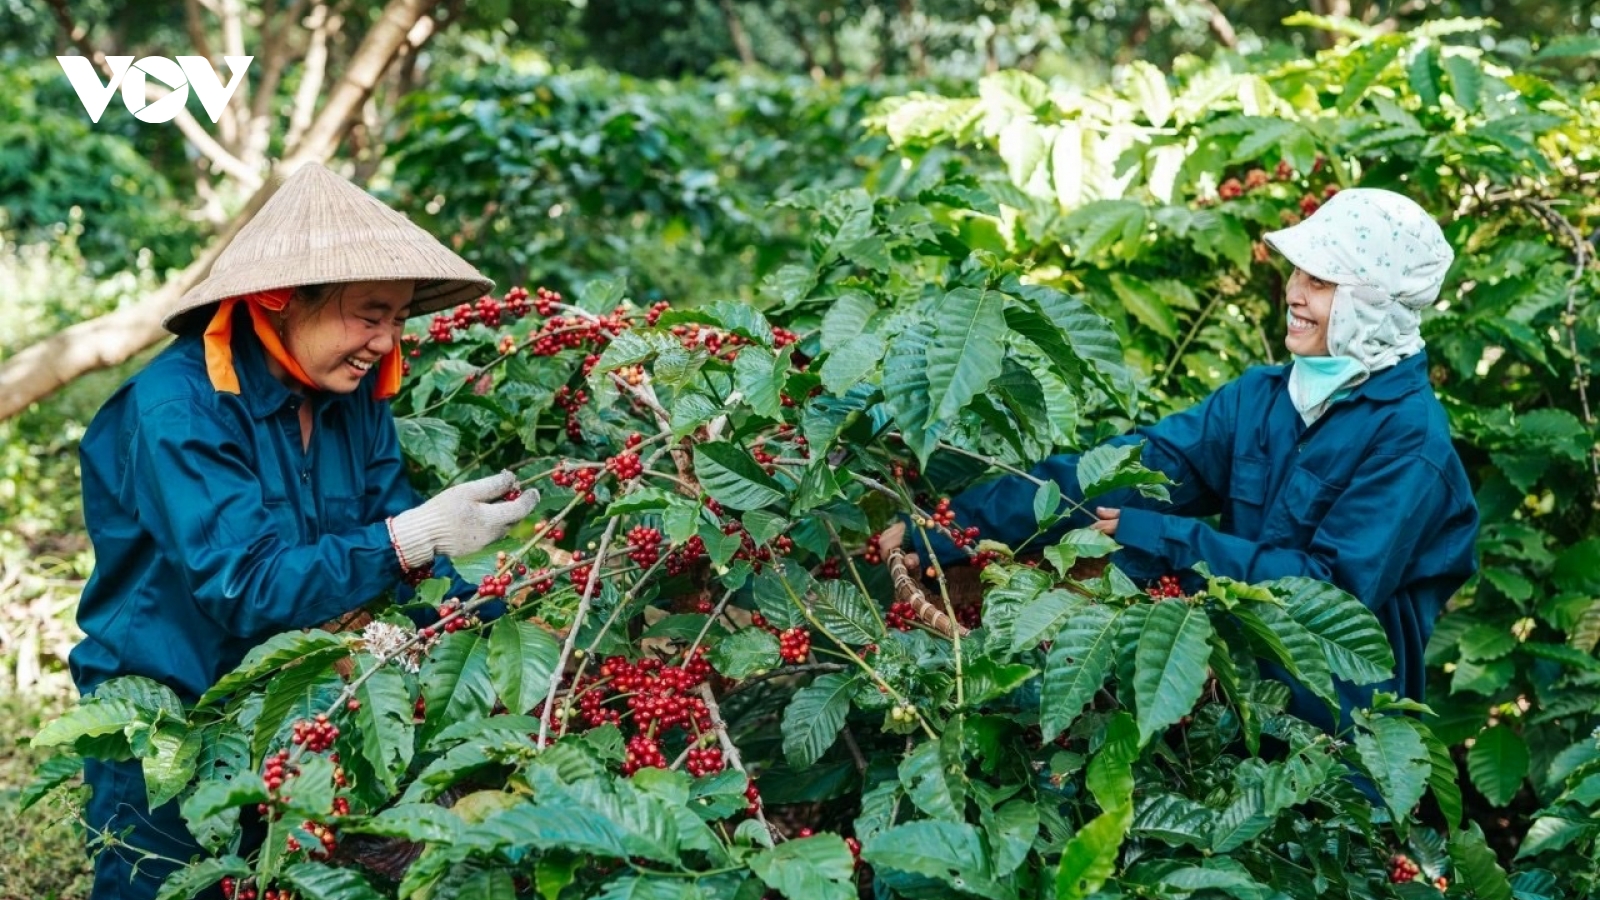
(1402, 869)
(414, 577)
(492, 585)
(560, 333)
(1166, 588)
(757, 554)
(487, 310)
(873, 554)
(651, 698)
(449, 608)
(767, 460)
(704, 761)
(626, 466)
(581, 478)
(970, 613)
(643, 752)
(579, 573)
(571, 401)
(276, 771)
(830, 569)
(654, 314)
(794, 645)
(644, 545)
(516, 303)
(545, 301)
(983, 558)
(680, 558)
(236, 890)
(904, 471)
(943, 515)
(901, 616)
(325, 838)
(316, 735)
(419, 710)
(541, 582)
(1232, 189)
(964, 537)
(752, 798)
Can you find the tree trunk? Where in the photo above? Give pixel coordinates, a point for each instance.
(741, 40)
(916, 52)
(830, 34)
(1340, 8)
(42, 368)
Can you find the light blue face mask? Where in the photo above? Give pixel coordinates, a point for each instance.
(1317, 381)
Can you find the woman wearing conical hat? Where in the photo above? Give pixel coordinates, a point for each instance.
(249, 480)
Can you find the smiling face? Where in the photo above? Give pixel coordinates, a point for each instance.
(340, 339)
(1310, 301)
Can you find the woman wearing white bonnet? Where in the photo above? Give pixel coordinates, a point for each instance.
(1337, 466)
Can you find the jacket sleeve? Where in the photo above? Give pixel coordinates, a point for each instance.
(1363, 544)
(195, 489)
(1192, 448)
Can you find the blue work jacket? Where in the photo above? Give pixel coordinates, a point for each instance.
(1371, 497)
(214, 528)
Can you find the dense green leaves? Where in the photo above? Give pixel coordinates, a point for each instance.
(733, 478)
(818, 867)
(1170, 665)
(964, 355)
(1079, 662)
(812, 720)
(522, 658)
(384, 720)
(1498, 763)
(1394, 755)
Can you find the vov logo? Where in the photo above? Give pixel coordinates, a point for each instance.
(188, 72)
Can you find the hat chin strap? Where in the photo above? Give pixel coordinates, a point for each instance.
(1367, 325)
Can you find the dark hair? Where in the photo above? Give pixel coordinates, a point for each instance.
(315, 296)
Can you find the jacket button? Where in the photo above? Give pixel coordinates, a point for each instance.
(305, 477)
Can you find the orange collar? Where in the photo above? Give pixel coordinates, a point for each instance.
(219, 345)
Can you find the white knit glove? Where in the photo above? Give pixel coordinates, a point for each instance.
(459, 520)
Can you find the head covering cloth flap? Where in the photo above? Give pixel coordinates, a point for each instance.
(1387, 259)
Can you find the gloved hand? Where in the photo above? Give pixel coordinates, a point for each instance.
(459, 520)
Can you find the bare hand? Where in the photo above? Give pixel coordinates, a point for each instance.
(893, 538)
(1107, 522)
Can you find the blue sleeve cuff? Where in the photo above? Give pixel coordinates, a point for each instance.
(1142, 529)
(947, 553)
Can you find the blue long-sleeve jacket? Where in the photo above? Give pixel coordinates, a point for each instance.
(213, 528)
(1372, 498)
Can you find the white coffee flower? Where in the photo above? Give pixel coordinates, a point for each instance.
(388, 642)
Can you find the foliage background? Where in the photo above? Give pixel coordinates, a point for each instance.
(537, 107)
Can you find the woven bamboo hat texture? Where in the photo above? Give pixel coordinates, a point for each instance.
(318, 228)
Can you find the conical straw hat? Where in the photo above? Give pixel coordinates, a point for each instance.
(319, 228)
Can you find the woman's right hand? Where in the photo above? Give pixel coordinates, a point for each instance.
(460, 520)
(893, 538)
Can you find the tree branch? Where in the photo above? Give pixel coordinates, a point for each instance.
(42, 368)
(78, 35)
(736, 32)
(320, 21)
(1221, 27)
(234, 122)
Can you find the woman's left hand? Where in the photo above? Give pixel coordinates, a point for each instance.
(1108, 518)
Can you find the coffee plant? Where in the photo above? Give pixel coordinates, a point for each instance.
(708, 682)
(697, 689)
